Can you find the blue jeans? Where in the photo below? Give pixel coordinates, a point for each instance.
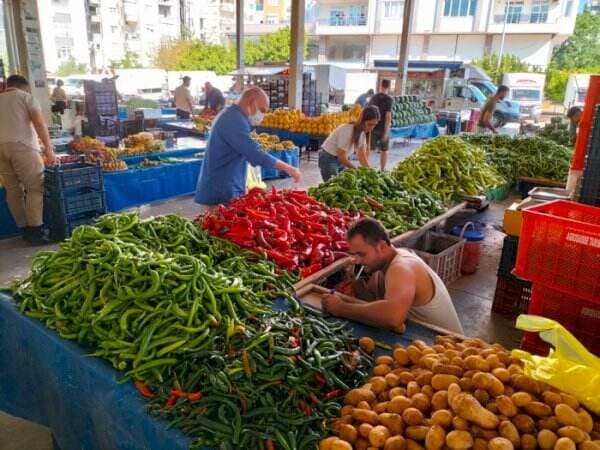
(329, 165)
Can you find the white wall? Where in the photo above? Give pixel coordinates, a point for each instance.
(533, 49)
(384, 47)
(81, 51)
(415, 47)
(423, 17)
(442, 47)
(456, 24)
(470, 46)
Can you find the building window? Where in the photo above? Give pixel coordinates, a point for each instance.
(273, 2)
(460, 8)
(114, 29)
(340, 48)
(64, 53)
(539, 11)
(568, 8)
(512, 11)
(272, 20)
(393, 9)
(112, 10)
(260, 5)
(164, 10)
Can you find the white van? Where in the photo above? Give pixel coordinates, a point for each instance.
(576, 91)
(528, 90)
(74, 84)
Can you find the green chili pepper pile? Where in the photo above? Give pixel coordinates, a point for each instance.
(380, 196)
(144, 294)
(450, 167)
(524, 156)
(272, 385)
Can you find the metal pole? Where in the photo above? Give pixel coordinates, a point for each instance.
(503, 34)
(296, 55)
(239, 33)
(403, 59)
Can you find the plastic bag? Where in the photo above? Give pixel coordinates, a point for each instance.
(568, 367)
(254, 178)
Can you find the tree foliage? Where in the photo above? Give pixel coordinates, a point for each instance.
(194, 54)
(509, 64)
(130, 61)
(70, 67)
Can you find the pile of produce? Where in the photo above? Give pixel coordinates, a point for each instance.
(271, 142)
(86, 143)
(297, 122)
(459, 395)
(96, 152)
(557, 131)
(141, 143)
(202, 123)
(273, 385)
(449, 167)
(410, 110)
(292, 229)
(380, 196)
(146, 294)
(524, 156)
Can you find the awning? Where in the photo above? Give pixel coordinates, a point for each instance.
(423, 65)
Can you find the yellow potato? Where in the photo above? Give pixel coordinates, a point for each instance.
(395, 443)
(341, 445)
(449, 369)
(506, 406)
(384, 359)
(564, 443)
(524, 383)
(421, 402)
(489, 382)
(493, 407)
(365, 415)
(435, 438)
(396, 391)
(414, 354)
(399, 404)
(364, 405)
(441, 382)
(524, 423)
(508, 430)
(482, 396)
(586, 423)
(577, 435)
(348, 433)
(401, 356)
(500, 443)
(393, 422)
(346, 410)
(392, 380)
(416, 432)
(439, 400)
(480, 444)
(521, 399)
(458, 423)
(459, 440)
(366, 344)
(453, 391)
(442, 417)
(569, 400)
(378, 384)
(364, 429)
(428, 390)
(326, 443)
(412, 388)
(413, 445)
(467, 407)
(427, 362)
(528, 442)
(546, 439)
(412, 416)
(378, 436)
(589, 445)
(566, 415)
(355, 396)
(466, 383)
(538, 409)
(475, 362)
(362, 444)
(405, 377)
(381, 407)
(548, 423)
(424, 378)
(381, 369)
(551, 398)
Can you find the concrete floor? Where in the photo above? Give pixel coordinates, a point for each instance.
(472, 295)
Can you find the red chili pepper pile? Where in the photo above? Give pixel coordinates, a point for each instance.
(294, 230)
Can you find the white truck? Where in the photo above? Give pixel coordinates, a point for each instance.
(528, 90)
(576, 91)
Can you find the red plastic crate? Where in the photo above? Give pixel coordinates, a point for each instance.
(532, 343)
(580, 317)
(559, 247)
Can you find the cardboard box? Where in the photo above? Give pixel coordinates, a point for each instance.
(513, 217)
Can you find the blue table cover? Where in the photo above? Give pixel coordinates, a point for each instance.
(291, 157)
(51, 381)
(299, 139)
(182, 127)
(168, 111)
(135, 187)
(419, 131)
(8, 227)
(170, 153)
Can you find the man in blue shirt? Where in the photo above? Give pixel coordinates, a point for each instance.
(230, 148)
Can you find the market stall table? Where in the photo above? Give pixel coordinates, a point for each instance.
(182, 127)
(169, 153)
(417, 131)
(51, 381)
(61, 144)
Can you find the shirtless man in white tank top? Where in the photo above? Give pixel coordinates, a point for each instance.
(409, 287)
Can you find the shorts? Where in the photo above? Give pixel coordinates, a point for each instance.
(378, 143)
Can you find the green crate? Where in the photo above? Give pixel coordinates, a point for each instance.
(499, 193)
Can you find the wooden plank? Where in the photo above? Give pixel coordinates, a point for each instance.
(543, 182)
(323, 273)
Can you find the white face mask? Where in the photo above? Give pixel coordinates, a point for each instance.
(256, 118)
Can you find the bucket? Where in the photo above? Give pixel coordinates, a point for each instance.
(472, 249)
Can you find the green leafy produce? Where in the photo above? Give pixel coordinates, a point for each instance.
(450, 167)
(278, 381)
(524, 156)
(557, 131)
(410, 110)
(143, 294)
(380, 196)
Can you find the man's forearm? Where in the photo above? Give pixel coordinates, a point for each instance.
(376, 314)
(42, 132)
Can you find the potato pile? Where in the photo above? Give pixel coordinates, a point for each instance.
(459, 394)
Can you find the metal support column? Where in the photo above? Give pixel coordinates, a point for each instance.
(403, 60)
(296, 55)
(239, 33)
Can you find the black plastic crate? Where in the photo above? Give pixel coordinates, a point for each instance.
(73, 176)
(512, 296)
(75, 202)
(60, 229)
(509, 255)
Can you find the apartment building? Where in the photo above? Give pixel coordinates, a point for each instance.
(357, 33)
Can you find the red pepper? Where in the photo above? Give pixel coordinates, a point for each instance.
(320, 379)
(313, 268)
(171, 400)
(333, 394)
(257, 215)
(318, 237)
(194, 396)
(305, 408)
(260, 240)
(281, 259)
(314, 398)
(339, 255)
(144, 390)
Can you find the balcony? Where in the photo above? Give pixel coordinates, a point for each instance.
(341, 25)
(532, 23)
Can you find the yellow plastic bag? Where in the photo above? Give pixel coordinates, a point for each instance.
(569, 367)
(254, 178)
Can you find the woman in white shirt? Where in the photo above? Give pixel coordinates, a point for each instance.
(344, 141)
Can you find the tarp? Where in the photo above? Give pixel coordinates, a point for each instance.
(420, 131)
(8, 227)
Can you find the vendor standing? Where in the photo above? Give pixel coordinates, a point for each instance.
(230, 148)
(21, 167)
(345, 140)
(183, 99)
(59, 98)
(401, 285)
(214, 98)
(381, 134)
(574, 116)
(487, 112)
